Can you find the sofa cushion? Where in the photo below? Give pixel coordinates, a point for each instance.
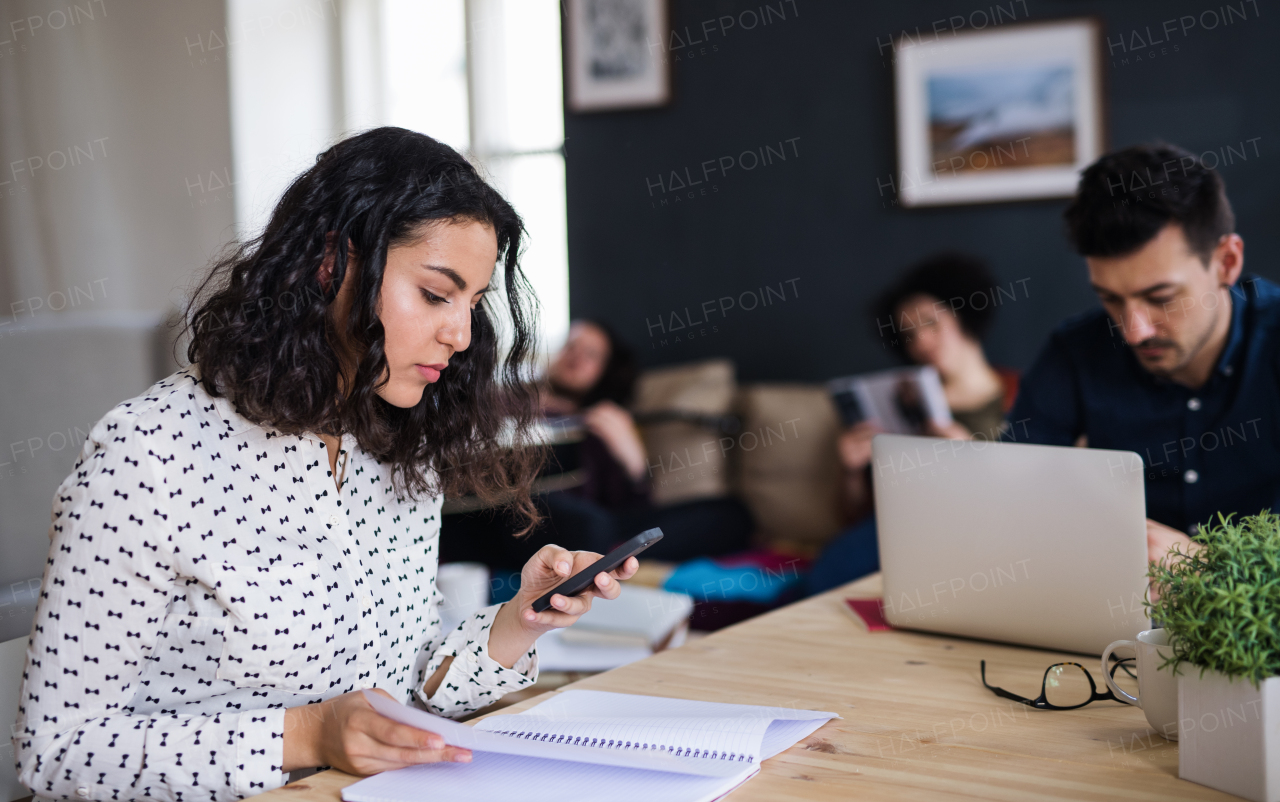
(679, 410)
(789, 474)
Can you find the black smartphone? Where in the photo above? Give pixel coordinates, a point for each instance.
(587, 576)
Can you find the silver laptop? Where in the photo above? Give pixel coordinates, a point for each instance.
(1036, 545)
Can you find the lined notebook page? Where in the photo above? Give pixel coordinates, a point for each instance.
(492, 776)
(509, 767)
(569, 704)
(479, 740)
(746, 733)
(734, 739)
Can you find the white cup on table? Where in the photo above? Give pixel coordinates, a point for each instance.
(465, 591)
(1157, 688)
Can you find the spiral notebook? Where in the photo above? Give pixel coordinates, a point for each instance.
(591, 745)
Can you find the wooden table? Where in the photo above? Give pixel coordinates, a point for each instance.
(917, 723)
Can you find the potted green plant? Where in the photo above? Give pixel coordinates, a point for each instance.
(1221, 606)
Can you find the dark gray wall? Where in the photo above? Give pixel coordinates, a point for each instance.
(825, 218)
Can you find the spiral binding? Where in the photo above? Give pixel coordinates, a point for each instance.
(601, 743)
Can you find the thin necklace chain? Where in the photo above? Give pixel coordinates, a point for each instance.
(342, 474)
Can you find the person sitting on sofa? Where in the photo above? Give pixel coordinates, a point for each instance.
(1179, 363)
(929, 317)
(592, 378)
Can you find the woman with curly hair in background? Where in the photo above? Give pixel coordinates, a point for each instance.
(937, 315)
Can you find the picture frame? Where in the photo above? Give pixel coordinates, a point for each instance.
(615, 56)
(1009, 113)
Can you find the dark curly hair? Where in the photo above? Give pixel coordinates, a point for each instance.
(1125, 198)
(618, 379)
(952, 278)
(261, 330)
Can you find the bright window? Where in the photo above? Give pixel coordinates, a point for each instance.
(424, 47)
(485, 76)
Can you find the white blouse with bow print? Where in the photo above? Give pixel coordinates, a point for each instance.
(204, 574)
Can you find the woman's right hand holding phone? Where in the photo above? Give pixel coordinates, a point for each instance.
(345, 732)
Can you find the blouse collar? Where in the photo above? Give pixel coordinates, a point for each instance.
(237, 424)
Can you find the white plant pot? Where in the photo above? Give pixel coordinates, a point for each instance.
(1229, 733)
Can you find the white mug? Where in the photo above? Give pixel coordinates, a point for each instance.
(464, 588)
(1157, 688)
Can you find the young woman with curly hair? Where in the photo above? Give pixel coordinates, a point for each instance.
(249, 544)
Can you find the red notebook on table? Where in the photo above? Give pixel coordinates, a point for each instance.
(871, 611)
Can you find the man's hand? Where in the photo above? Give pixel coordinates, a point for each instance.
(1162, 539)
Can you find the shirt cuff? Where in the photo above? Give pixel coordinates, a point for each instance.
(259, 751)
(475, 679)
(523, 672)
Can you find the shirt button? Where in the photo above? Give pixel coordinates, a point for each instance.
(1193, 404)
(82, 792)
(1228, 370)
(366, 602)
(1191, 477)
(333, 520)
(471, 658)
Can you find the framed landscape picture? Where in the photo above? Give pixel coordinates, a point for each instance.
(1008, 113)
(615, 55)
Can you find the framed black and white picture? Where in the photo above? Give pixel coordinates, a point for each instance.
(616, 58)
(1009, 113)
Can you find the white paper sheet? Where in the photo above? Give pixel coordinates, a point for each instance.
(491, 776)
(505, 767)
(466, 737)
(736, 739)
(774, 728)
(556, 653)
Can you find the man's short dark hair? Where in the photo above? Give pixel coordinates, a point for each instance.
(1125, 198)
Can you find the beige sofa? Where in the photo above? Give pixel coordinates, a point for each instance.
(781, 460)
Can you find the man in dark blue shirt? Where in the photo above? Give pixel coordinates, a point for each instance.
(1181, 364)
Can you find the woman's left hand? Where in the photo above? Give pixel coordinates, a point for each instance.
(518, 626)
(553, 565)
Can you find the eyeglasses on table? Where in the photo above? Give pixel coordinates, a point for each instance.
(1065, 686)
